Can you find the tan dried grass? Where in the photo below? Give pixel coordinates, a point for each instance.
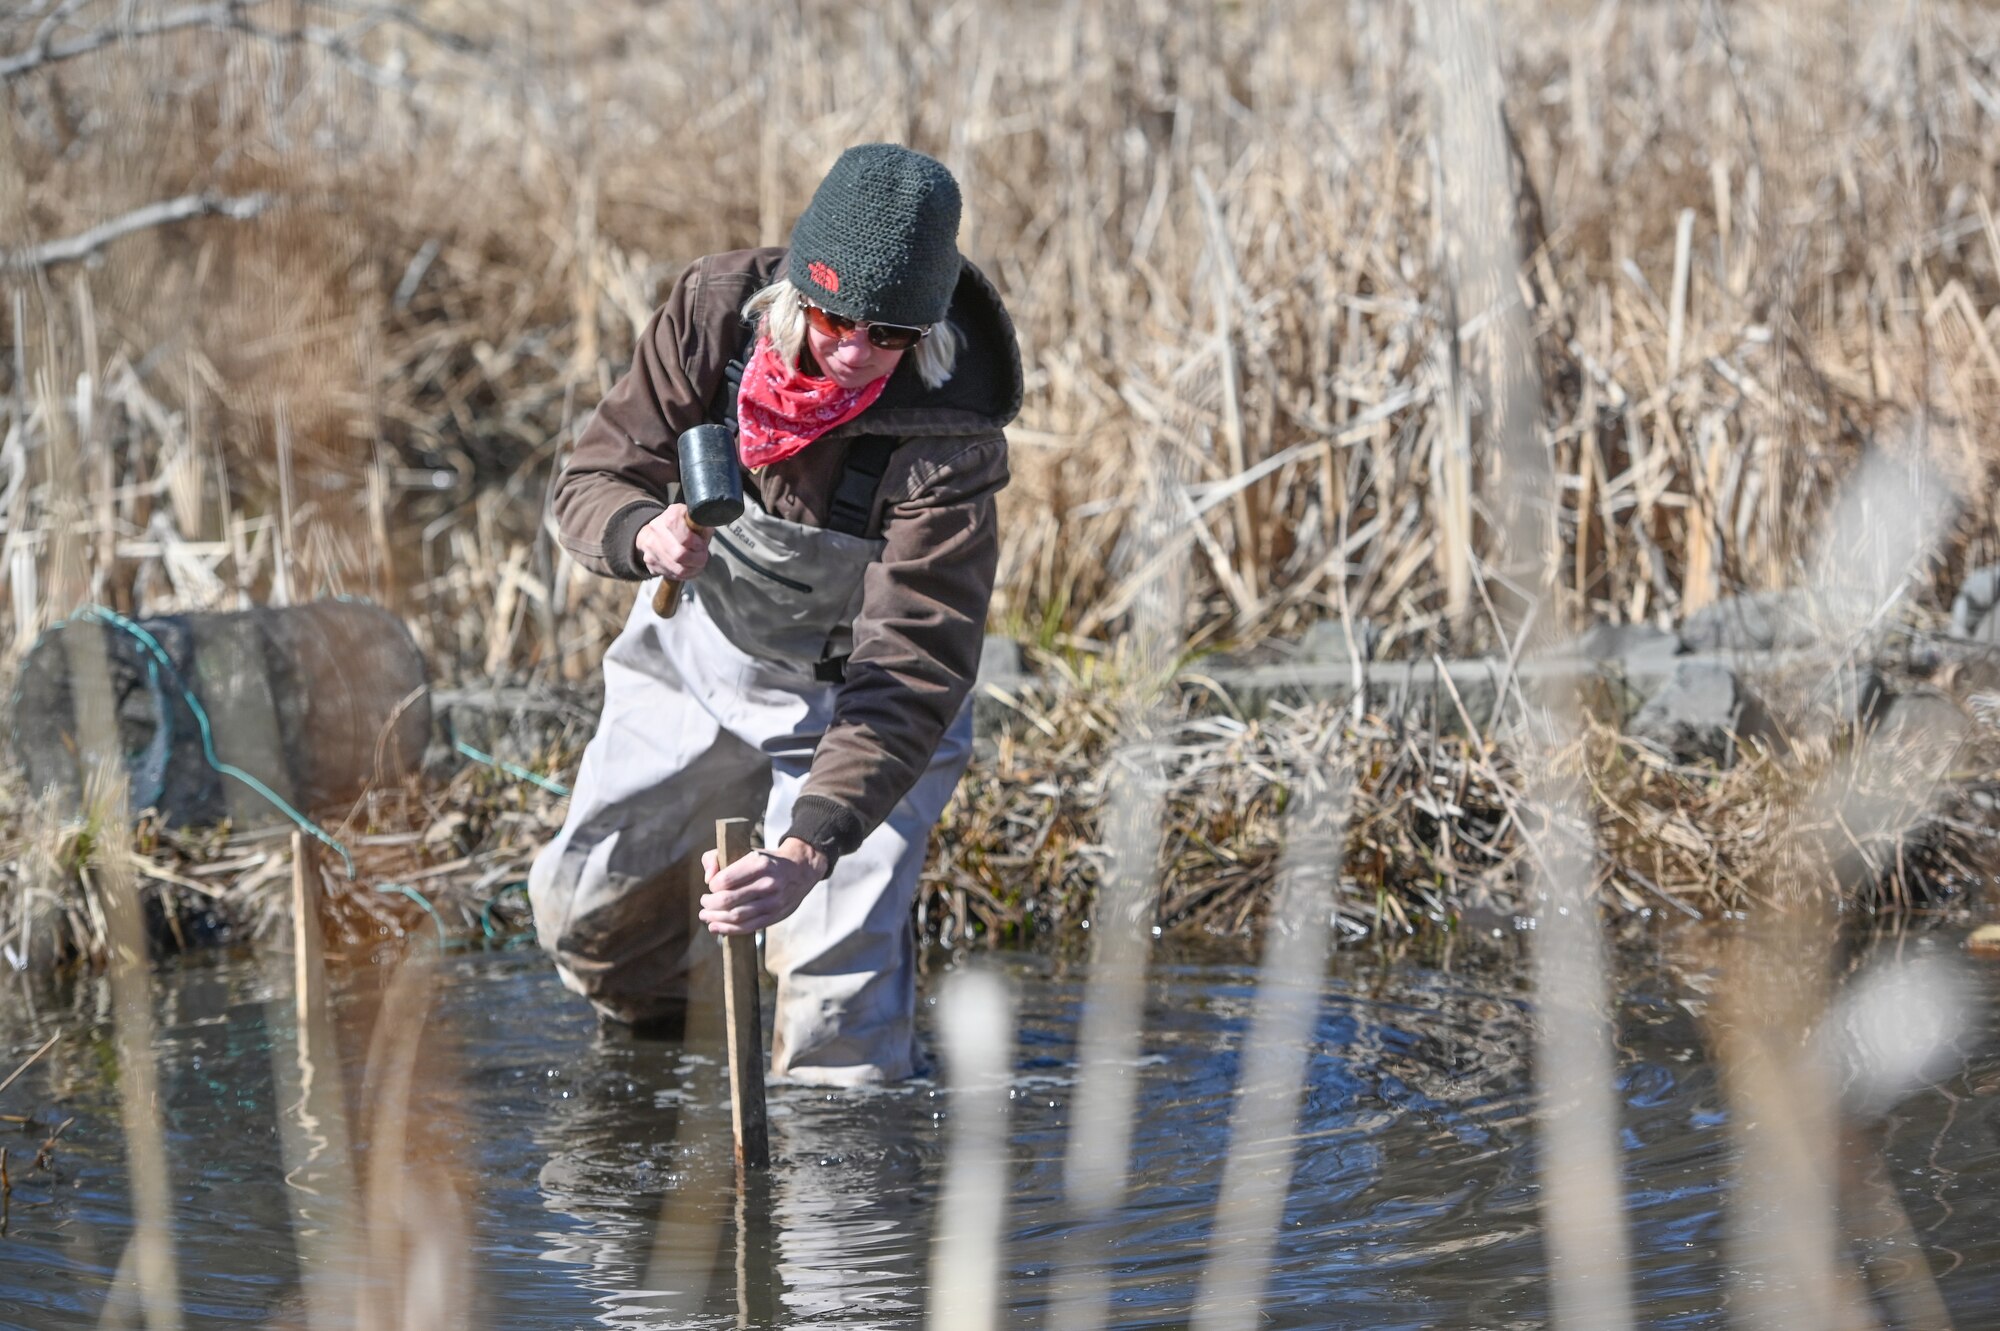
(1221, 221)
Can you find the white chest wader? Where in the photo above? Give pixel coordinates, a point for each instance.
(715, 713)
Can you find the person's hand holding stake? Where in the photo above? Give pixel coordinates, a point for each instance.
(760, 889)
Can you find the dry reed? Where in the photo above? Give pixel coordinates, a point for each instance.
(1226, 220)
(1223, 235)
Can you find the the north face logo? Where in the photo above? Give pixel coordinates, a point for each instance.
(824, 275)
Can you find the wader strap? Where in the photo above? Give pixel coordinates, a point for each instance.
(722, 407)
(853, 502)
(854, 497)
(722, 410)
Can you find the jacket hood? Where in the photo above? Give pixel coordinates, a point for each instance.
(984, 391)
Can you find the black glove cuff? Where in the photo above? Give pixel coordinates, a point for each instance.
(829, 827)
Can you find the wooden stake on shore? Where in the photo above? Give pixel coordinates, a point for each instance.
(744, 1014)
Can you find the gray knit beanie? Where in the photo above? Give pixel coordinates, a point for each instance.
(879, 241)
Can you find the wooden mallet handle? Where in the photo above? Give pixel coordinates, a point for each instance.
(667, 596)
(744, 1014)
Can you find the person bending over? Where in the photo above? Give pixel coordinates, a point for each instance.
(821, 665)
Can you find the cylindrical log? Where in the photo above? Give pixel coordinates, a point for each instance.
(315, 703)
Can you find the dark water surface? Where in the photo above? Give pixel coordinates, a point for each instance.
(583, 1161)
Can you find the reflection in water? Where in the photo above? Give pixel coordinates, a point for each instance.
(848, 1219)
(640, 1167)
(598, 1185)
(630, 1168)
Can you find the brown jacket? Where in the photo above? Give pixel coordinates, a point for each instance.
(923, 613)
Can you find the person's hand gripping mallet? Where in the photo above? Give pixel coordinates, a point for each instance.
(675, 544)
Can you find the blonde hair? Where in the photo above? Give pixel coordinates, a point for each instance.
(783, 311)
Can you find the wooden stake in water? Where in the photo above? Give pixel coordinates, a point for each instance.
(745, 1017)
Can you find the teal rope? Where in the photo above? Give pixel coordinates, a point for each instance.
(486, 911)
(405, 890)
(159, 653)
(513, 769)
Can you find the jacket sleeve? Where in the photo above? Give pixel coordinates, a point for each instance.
(621, 473)
(916, 649)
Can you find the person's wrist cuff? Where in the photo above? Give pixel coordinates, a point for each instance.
(819, 861)
(829, 827)
(621, 536)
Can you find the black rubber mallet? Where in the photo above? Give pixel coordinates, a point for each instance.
(712, 488)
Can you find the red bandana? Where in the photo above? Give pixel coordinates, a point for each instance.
(779, 411)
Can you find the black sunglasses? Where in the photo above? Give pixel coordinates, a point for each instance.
(887, 337)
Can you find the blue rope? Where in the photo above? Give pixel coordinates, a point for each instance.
(160, 658)
(512, 769)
